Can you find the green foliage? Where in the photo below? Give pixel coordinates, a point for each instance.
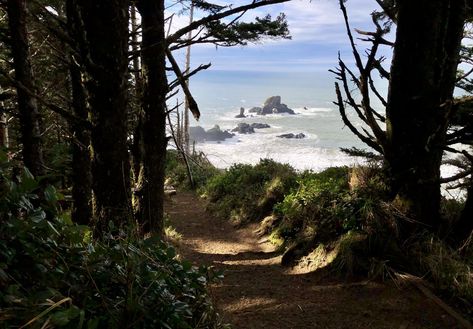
(176, 170)
(52, 274)
(448, 270)
(240, 33)
(319, 205)
(246, 193)
(342, 220)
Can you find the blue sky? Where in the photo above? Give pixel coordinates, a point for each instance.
(317, 30)
(246, 75)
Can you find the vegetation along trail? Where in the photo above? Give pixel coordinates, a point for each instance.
(257, 292)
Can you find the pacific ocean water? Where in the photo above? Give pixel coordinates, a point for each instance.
(220, 94)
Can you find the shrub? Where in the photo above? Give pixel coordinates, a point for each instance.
(449, 272)
(53, 275)
(319, 205)
(176, 170)
(247, 193)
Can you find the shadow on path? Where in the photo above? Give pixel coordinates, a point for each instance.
(259, 293)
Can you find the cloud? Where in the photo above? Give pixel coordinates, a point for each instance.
(318, 33)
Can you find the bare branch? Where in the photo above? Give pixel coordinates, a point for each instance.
(381, 98)
(348, 123)
(390, 11)
(463, 76)
(64, 113)
(456, 177)
(384, 74)
(190, 99)
(351, 100)
(201, 67)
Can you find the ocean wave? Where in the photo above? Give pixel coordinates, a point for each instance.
(313, 110)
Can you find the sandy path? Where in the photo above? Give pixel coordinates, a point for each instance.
(258, 293)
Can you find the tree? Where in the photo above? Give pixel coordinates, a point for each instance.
(81, 157)
(419, 102)
(154, 50)
(82, 51)
(105, 58)
(27, 104)
(155, 87)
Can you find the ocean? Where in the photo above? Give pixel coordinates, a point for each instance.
(220, 94)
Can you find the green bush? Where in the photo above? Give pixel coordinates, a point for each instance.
(52, 274)
(176, 170)
(247, 193)
(449, 271)
(319, 205)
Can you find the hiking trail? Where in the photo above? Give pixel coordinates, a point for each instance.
(257, 292)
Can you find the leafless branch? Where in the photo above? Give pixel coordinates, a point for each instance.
(193, 107)
(201, 67)
(368, 141)
(64, 113)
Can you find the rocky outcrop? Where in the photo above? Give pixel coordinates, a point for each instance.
(291, 135)
(197, 134)
(217, 134)
(256, 110)
(244, 128)
(242, 113)
(257, 125)
(273, 105)
(214, 134)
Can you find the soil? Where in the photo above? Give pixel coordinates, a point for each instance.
(257, 292)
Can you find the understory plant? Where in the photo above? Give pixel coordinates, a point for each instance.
(245, 193)
(200, 167)
(54, 275)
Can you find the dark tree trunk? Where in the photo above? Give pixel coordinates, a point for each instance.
(81, 160)
(28, 108)
(106, 62)
(151, 180)
(464, 227)
(423, 70)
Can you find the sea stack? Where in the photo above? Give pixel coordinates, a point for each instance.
(242, 113)
(273, 105)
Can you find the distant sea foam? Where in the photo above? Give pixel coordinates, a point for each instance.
(220, 95)
(317, 151)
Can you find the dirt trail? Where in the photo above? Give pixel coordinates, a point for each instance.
(259, 293)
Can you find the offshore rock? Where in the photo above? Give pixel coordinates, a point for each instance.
(214, 134)
(291, 135)
(243, 128)
(257, 125)
(242, 113)
(273, 105)
(256, 110)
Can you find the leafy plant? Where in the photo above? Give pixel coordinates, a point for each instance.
(52, 274)
(176, 170)
(246, 193)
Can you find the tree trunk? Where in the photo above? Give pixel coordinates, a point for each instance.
(429, 34)
(106, 62)
(4, 140)
(187, 147)
(136, 147)
(27, 105)
(155, 87)
(464, 228)
(81, 160)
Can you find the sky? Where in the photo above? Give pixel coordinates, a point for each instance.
(317, 30)
(247, 75)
